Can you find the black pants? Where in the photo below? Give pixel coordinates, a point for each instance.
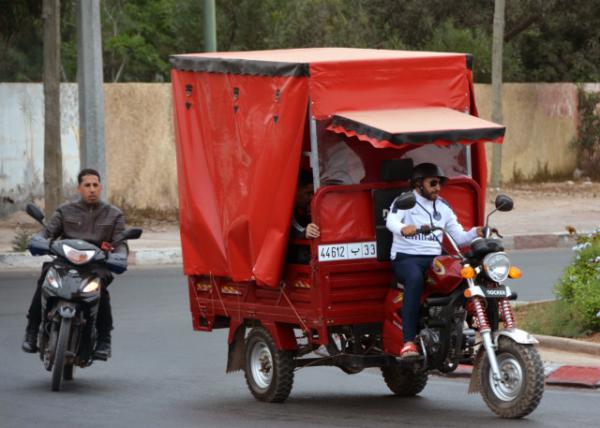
(104, 322)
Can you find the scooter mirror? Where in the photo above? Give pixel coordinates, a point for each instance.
(35, 212)
(133, 233)
(405, 201)
(504, 203)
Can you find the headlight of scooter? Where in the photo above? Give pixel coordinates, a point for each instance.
(91, 286)
(53, 278)
(77, 257)
(496, 266)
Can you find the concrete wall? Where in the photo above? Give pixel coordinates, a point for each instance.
(541, 121)
(141, 163)
(140, 145)
(22, 142)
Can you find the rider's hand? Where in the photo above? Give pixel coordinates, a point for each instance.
(409, 230)
(312, 231)
(479, 231)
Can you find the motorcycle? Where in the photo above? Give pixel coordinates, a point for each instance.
(464, 302)
(70, 298)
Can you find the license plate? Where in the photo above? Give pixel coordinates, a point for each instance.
(495, 292)
(348, 251)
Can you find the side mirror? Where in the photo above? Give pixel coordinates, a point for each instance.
(35, 212)
(405, 201)
(504, 203)
(133, 233)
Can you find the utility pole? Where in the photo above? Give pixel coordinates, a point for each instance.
(497, 48)
(91, 96)
(53, 186)
(210, 26)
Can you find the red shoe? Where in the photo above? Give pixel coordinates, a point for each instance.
(409, 350)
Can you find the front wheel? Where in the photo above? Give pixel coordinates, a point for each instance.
(521, 386)
(269, 372)
(59, 355)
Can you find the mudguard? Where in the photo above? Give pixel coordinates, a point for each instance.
(518, 335)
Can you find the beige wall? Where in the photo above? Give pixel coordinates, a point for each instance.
(141, 163)
(140, 145)
(540, 120)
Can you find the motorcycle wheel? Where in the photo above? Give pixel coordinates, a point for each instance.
(404, 382)
(59, 355)
(522, 385)
(269, 372)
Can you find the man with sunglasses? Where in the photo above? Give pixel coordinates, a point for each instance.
(412, 253)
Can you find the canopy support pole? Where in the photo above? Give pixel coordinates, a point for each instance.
(314, 149)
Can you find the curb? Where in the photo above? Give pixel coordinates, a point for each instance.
(537, 241)
(164, 256)
(571, 345)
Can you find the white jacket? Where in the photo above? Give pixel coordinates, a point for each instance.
(420, 244)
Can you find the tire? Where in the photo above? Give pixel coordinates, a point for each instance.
(269, 372)
(404, 382)
(522, 386)
(68, 371)
(59, 355)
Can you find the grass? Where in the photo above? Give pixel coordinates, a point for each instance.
(552, 318)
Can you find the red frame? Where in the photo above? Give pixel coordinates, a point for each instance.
(319, 295)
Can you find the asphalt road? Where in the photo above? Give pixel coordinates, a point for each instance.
(163, 374)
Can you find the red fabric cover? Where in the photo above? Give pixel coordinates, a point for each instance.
(238, 155)
(237, 171)
(437, 125)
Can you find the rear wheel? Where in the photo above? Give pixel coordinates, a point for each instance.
(269, 372)
(521, 386)
(59, 355)
(404, 382)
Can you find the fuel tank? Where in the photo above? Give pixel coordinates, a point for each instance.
(443, 276)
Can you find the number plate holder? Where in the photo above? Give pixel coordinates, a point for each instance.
(347, 251)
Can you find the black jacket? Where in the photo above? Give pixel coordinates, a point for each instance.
(94, 223)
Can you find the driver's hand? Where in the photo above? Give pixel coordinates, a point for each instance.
(409, 230)
(479, 231)
(312, 231)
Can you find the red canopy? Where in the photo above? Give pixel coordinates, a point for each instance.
(241, 124)
(438, 125)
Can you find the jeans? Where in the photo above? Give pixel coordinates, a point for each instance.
(410, 270)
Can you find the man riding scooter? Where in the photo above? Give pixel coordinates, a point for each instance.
(94, 221)
(413, 249)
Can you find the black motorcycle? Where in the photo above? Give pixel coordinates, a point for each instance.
(70, 298)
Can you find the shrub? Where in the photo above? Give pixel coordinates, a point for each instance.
(21, 239)
(579, 287)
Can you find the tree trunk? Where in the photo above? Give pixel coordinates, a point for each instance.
(53, 186)
(497, 47)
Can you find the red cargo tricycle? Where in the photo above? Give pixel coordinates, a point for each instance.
(358, 120)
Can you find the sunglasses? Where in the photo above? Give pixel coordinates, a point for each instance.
(435, 183)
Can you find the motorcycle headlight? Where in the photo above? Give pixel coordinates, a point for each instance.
(77, 257)
(91, 286)
(496, 266)
(53, 279)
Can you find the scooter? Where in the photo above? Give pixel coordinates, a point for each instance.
(70, 298)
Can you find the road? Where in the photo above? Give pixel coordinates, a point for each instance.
(163, 374)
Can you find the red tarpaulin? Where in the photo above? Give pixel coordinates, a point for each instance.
(241, 123)
(437, 125)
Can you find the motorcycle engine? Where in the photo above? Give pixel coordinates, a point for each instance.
(431, 340)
